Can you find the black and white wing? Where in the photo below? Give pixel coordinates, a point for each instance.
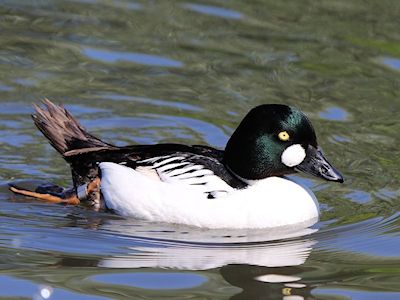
(207, 174)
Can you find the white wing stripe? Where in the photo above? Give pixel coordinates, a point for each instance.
(197, 173)
(187, 171)
(171, 166)
(178, 172)
(167, 161)
(195, 180)
(154, 159)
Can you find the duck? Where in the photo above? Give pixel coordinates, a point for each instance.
(246, 185)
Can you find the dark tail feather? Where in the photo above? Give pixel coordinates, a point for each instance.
(63, 131)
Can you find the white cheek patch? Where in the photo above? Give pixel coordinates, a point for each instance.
(293, 155)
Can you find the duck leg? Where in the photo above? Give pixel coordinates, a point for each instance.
(70, 198)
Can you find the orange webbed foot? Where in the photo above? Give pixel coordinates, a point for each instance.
(72, 200)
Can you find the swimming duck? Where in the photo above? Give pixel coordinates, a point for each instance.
(243, 186)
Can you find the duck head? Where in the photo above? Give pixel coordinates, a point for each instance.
(275, 140)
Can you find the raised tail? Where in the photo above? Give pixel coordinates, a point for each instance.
(63, 131)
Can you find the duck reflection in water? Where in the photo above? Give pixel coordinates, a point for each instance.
(261, 266)
(265, 283)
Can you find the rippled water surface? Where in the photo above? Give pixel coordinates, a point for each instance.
(158, 71)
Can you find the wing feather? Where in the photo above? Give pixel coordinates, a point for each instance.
(189, 169)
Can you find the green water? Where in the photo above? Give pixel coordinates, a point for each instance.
(162, 71)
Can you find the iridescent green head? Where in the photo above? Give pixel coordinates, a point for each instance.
(274, 140)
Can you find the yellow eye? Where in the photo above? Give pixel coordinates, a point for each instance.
(283, 136)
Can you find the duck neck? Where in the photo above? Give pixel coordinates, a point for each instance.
(253, 158)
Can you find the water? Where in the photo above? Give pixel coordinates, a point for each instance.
(158, 71)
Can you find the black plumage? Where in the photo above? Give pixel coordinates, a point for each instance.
(84, 152)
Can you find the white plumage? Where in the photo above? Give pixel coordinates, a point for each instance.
(271, 202)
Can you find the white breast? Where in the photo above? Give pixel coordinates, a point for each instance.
(271, 202)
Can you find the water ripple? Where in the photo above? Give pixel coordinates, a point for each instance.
(214, 11)
(109, 56)
(23, 289)
(150, 101)
(334, 113)
(391, 62)
(153, 280)
(335, 293)
(363, 237)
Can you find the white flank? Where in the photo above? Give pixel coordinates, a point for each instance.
(293, 155)
(271, 202)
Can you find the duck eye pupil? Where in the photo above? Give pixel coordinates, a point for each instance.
(283, 136)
